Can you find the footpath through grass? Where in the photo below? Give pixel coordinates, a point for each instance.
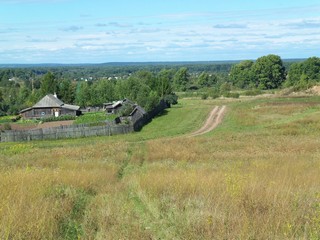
(254, 177)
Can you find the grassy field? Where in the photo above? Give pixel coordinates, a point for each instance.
(254, 177)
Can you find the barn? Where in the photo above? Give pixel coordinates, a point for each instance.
(50, 106)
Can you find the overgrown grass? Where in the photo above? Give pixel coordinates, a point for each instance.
(6, 119)
(93, 117)
(254, 177)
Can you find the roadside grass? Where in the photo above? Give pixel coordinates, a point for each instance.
(254, 177)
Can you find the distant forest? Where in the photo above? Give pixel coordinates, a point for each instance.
(22, 86)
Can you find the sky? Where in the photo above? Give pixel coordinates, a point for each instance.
(99, 31)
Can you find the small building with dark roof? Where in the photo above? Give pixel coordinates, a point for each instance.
(50, 106)
(115, 107)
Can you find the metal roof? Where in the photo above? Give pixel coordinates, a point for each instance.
(49, 101)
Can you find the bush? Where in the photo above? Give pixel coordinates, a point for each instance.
(6, 126)
(231, 95)
(252, 92)
(204, 96)
(171, 99)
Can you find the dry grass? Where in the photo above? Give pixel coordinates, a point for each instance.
(255, 177)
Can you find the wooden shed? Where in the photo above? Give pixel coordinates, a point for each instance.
(50, 106)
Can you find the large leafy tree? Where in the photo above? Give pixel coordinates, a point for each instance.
(304, 74)
(163, 83)
(48, 84)
(83, 94)
(269, 72)
(242, 75)
(66, 91)
(311, 68)
(181, 79)
(104, 91)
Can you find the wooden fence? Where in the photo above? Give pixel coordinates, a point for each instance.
(82, 130)
(73, 131)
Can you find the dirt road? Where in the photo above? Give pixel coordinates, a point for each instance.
(214, 119)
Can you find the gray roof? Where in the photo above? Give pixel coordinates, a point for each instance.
(51, 101)
(138, 109)
(71, 107)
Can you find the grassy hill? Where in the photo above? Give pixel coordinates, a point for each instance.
(255, 176)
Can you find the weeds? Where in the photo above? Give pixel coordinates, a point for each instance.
(255, 177)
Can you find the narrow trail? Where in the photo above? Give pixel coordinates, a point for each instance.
(214, 119)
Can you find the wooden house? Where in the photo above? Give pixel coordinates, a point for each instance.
(50, 106)
(115, 107)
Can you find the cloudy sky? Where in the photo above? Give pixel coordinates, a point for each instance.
(97, 31)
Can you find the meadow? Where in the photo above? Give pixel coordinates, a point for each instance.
(256, 176)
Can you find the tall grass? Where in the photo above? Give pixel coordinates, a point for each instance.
(255, 177)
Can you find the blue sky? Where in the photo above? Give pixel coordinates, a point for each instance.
(97, 31)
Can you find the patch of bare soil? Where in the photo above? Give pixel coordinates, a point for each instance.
(30, 126)
(54, 124)
(214, 119)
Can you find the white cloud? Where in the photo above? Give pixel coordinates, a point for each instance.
(196, 36)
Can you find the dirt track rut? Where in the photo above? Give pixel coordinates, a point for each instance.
(214, 119)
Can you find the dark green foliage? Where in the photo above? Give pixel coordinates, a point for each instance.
(66, 91)
(204, 96)
(163, 83)
(242, 75)
(252, 92)
(214, 93)
(48, 84)
(268, 72)
(207, 80)
(83, 94)
(181, 79)
(171, 99)
(303, 75)
(231, 95)
(148, 83)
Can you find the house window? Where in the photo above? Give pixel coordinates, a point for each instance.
(43, 113)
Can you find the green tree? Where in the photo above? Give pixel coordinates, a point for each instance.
(311, 68)
(303, 75)
(48, 84)
(105, 91)
(181, 79)
(294, 74)
(269, 72)
(242, 75)
(83, 96)
(207, 80)
(163, 83)
(66, 91)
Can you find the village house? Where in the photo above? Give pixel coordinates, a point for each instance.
(115, 107)
(50, 106)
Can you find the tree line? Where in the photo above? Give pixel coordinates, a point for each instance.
(21, 88)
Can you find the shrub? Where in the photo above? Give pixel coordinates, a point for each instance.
(204, 96)
(231, 95)
(6, 126)
(252, 92)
